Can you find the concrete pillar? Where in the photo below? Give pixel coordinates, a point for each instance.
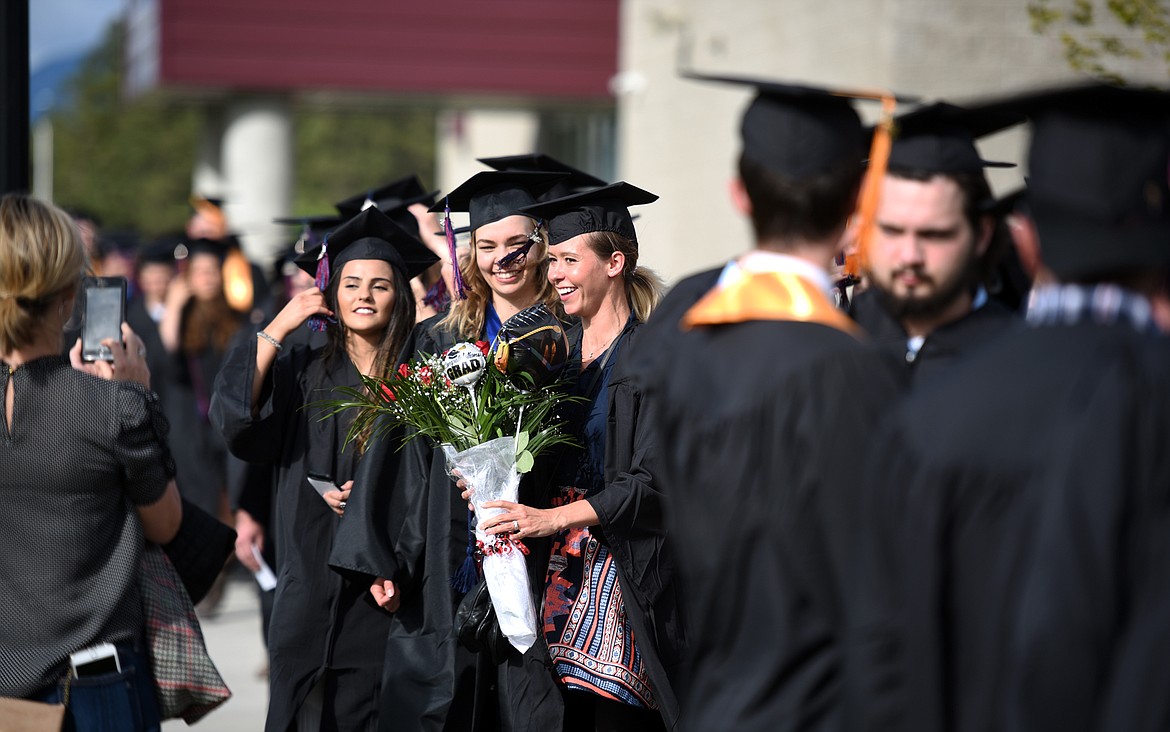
(207, 174)
(257, 164)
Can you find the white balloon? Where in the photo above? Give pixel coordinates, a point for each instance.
(463, 364)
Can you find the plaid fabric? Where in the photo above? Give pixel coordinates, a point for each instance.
(186, 681)
(1066, 304)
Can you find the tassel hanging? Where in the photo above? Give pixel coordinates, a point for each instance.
(879, 156)
(316, 322)
(457, 275)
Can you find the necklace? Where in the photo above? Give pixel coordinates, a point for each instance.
(597, 349)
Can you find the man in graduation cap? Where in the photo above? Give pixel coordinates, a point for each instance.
(1014, 561)
(760, 388)
(932, 239)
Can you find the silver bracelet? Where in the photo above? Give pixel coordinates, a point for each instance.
(275, 343)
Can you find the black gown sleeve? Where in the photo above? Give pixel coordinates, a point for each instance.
(1091, 643)
(256, 438)
(366, 539)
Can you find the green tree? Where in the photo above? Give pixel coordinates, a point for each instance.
(1098, 34)
(129, 161)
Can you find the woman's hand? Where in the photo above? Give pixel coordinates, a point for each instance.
(129, 362)
(249, 533)
(337, 499)
(523, 522)
(461, 484)
(385, 593)
(303, 306)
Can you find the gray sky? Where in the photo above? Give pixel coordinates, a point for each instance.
(60, 28)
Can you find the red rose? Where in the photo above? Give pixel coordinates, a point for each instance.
(388, 394)
(404, 371)
(425, 374)
(483, 347)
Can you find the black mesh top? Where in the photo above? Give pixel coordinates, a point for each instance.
(81, 452)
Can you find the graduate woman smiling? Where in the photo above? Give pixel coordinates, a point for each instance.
(609, 610)
(327, 637)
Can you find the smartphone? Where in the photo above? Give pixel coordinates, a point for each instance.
(105, 309)
(95, 661)
(322, 484)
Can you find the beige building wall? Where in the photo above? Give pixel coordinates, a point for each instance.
(679, 138)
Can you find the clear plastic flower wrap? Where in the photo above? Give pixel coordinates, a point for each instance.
(490, 468)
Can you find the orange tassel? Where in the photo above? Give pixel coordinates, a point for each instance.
(879, 157)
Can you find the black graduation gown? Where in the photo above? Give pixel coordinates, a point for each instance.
(320, 620)
(946, 345)
(412, 528)
(199, 450)
(965, 600)
(633, 527)
(157, 358)
(761, 425)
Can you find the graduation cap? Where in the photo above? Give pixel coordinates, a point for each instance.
(799, 131)
(199, 202)
(190, 247)
(576, 181)
(396, 194)
(940, 138)
(159, 251)
(493, 195)
(1098, 181)
(369, 235)
(313, 228)
(599, 209)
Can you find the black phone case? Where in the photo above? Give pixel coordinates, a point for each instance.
(100, 313)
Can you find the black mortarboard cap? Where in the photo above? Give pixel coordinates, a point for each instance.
(317, 223)
(599, 209)
(371, 235)
(940, 138)
(125, 242)
(799, 131)
(197, 199)
(576, 181)
(393, 195)
(191, 247)
(313, 229)
(492, 195)
(1098, 177)
(160, 250)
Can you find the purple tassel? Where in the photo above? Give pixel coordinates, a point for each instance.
(460, 285)
(316, 322)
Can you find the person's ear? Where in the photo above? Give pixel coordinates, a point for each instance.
(1027, 241)
(984, 235)
(739, 196)
(616, 264)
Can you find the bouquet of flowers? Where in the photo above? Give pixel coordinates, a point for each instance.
(493, 410)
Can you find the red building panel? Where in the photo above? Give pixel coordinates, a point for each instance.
(518, 48)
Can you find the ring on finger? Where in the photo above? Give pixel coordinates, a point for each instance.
(515, 526)
(341, 505)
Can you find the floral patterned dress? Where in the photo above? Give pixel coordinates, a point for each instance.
(589, 637)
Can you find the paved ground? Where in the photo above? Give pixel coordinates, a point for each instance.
(233, 640)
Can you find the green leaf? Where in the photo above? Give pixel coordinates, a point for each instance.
(521, 441)
(524, 462)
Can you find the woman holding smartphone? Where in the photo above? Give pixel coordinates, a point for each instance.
(327, 637)
(85, 477)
